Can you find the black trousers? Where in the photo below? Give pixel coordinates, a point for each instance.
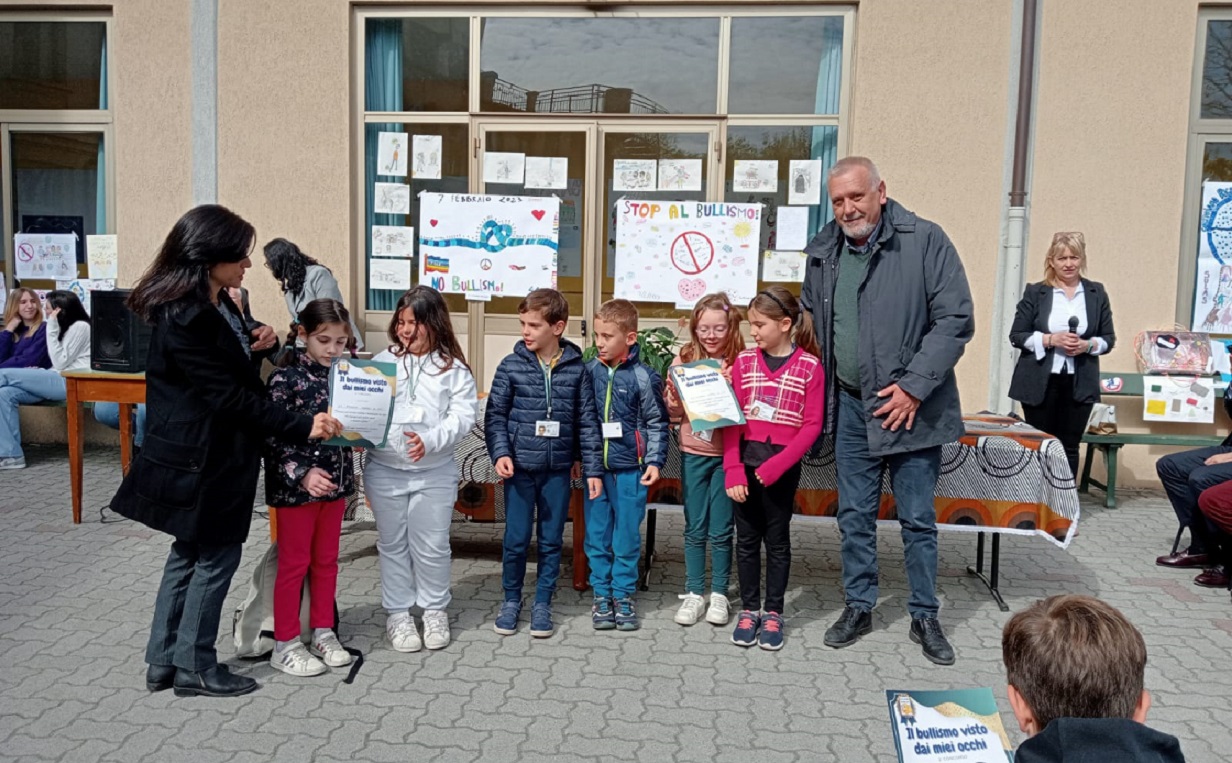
(1061, 416)
(765, 519)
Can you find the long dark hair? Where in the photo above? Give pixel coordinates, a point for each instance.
(288, 264)
(206, 235)
(70, 307)
(776, 303)
(432, 314)
(317, 313)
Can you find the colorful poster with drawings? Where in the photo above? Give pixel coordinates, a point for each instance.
(101, 257)
(680, 174)
(507, 169)
(83, 286)
(783, 267)
(804, 181)
(391, 154)
(392, 274)
(1188, 399)
(488, 245)
(678, 251)
(392, 199)
(951, 726)
(51, 256)
(393, 241)
(792, 228)
(1212, 310)
(427, 151)
(547, 172)
(634, 174)
(755, 175)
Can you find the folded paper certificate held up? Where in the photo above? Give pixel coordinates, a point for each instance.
(957, 726)
(706, 396)
(361, 396)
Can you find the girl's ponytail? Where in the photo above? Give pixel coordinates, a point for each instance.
(805, 337)
(286, 356)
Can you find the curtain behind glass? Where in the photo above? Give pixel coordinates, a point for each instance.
(383, 92)
(829, 88)
(100, 215)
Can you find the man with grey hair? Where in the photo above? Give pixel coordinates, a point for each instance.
(892, 311)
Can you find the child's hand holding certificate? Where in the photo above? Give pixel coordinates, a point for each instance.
(705, 395)
(361, 396)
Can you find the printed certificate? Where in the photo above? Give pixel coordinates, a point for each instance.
(361, 396)
(707, 397)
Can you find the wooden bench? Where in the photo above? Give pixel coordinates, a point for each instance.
(1111, 444)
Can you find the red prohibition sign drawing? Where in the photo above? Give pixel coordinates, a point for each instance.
(25, 253)
(692, 252)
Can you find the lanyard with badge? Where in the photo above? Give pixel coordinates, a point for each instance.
(417, 414)
(547, 427)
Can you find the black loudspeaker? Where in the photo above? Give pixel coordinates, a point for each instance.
(119, 340)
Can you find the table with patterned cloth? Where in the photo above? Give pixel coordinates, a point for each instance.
(1002, 476)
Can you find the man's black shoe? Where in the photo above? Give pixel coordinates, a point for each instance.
(159, 677)
(851, 625)
(215, 682)
(926, 631)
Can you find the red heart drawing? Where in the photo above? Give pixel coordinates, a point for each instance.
(538, 213)
(432, 223)
(691, 289)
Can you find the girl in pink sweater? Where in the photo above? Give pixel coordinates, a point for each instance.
(779, 386)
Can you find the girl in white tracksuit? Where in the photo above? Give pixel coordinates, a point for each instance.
(412, 483)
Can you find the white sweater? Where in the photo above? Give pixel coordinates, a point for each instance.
(446, 401)
(72, 353)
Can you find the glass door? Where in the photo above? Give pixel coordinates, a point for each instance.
(538, 159)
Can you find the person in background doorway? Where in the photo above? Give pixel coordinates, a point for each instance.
(1062, 325)
(303, 279)
(23, 343)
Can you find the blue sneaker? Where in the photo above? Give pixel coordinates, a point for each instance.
(541, 625)
(602, 616)
(626, 615)
(747, 623)
(771, 634)
(507, 620)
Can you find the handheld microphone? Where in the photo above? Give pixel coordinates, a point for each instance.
(1073, 324)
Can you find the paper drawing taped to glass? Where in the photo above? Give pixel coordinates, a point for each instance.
(1212, 310)
(488, 245)
(679, 251)
(391, 154)
(391, 199)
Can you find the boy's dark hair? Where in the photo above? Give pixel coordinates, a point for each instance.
(1074, 657)
(317, 313)
(548, 302)
(622, 312)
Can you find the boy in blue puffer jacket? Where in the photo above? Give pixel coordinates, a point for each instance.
(539, 422)
(629, 402)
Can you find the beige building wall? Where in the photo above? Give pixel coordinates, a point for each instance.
(1111, 130)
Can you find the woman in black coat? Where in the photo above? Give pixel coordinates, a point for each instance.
(1062, 325)
(196, 476)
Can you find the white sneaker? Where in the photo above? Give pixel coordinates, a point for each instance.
(691, 610)
(436, 628)
(330, 650)
(295, 661)
(720, 610)
(400, 629)
(13, 462)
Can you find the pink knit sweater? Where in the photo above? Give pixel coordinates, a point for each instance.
(795, 392)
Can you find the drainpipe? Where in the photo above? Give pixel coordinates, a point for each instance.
(1010, 270)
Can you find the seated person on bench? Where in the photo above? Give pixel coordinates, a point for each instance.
(1185, 476)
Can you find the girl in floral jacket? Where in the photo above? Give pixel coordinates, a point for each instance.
(308, 484)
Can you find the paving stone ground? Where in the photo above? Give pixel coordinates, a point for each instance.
(75, 603)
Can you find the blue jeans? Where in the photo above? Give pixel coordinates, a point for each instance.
(24, 386)
(108, 414)
(189, 605)
(614, 533)
(914, 479)
(550, 492)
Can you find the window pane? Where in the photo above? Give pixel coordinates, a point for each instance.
(454, 179)
(781, 144)
(51, 65)
(1217, 71)
(799, 73)
(601, 65)
(57, 189)
(417, 64)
